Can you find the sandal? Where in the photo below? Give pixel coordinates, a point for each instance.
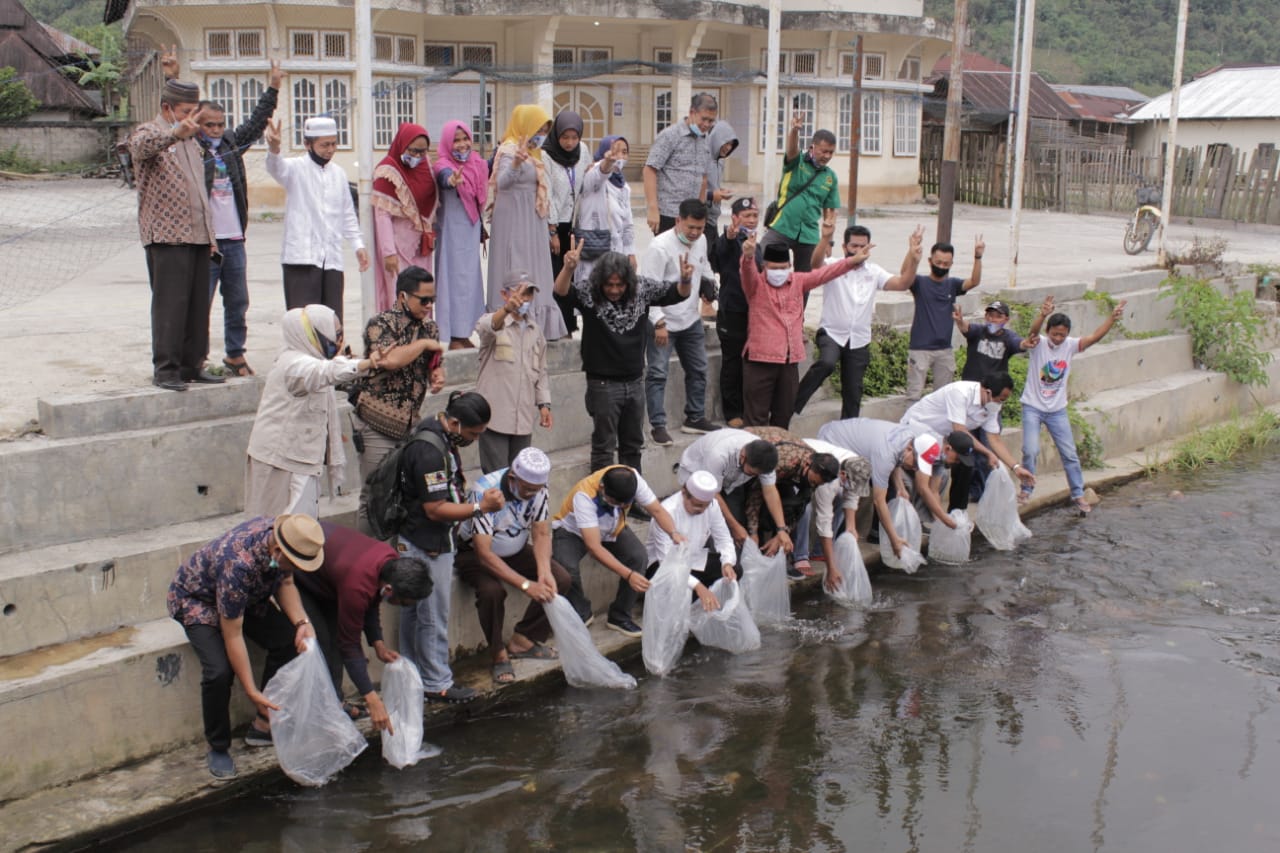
(238, 368)
(354, 711)
(537, 651)
(503, 673)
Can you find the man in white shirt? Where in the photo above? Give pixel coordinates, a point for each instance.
(735, 457)
(319, 214)
(697, 516)
(848, 307)
(679, 326)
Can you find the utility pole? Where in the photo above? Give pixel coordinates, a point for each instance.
(1013, 115)
(951, 130)
(364, 149)
(855, 130)
(1171, 144)
(1020, 156)
(770, 119)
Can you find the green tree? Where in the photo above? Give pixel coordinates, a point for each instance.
(16, 100)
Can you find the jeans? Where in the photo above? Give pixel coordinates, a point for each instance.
(691, 347)
(920, 362)
(568, 549)
(1059, 427)
(235, 294)
(731, 328)
(424, 626)
(616, 407)
(853, 366)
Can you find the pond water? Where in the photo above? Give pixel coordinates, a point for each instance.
(1112, 685)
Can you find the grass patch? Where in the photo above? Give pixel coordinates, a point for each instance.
(1219, 443)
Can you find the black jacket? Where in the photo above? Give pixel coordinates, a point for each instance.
(233, 144)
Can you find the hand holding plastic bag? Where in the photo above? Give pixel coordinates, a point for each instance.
(951, 546)
(582, 662)
(313, 736)
(731, 627)
(403, 695)
(666, 614)
(854, 589)
(764, 584)
(907, 522)
(997, 515)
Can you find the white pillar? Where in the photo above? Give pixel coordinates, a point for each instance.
(363, 125)
(1020, 155)
(769, 121)
(1171, 145)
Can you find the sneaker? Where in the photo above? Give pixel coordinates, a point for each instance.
(256, 737)
(1083, 506)
(220, 764)
(701, 426)
(794, 574)
(661, 437)
(455, 695)
(626, 627)
(204, 377)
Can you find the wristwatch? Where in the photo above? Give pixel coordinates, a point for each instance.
(524, 587)
(475, 510)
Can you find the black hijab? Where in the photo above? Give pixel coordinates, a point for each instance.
(567, 120)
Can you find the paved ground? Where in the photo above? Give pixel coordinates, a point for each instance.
(74, 297)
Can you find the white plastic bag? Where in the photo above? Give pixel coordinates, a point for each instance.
(403, 696)
(997, 515)
(313, 736)
(854, 589)
(907, 522)
(666, 611)
(951, 546)
(764, 584)
(582, 662)
(731, 627)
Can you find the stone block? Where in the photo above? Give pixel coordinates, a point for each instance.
(83, 415)
(1129, 282)
(1034, 294)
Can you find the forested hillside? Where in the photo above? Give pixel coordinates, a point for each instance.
(1124, 42)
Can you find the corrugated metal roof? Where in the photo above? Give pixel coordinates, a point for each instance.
(27, 47)
(1225, 93)
(69, 44)
(1097, 108)
(987, 92)
(1121, 93)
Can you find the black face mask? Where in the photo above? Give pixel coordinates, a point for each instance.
(317, 159)
(457, 440)
(939, 272)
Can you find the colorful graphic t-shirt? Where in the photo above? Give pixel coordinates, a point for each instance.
(222, 201)
(1046, 387)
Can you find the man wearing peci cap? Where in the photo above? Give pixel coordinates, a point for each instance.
(724, 252)
(177, 231)
(512, 546)
(697, 515)
(222, 594)
(319, 214)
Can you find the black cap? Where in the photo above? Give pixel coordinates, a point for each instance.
(999, 307)
(741, 204)
(777, 253)
(962, 443)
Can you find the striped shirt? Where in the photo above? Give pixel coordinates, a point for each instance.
(510, 525)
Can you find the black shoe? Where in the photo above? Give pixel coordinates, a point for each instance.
(794, 574)
(169, 384)
(455, 695)
(700, 426)
(256, 737)
(626, 627)
(204, 377)
(220, 765)
(661, 437)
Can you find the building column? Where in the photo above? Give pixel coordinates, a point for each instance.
(686, 42)
(544, 39)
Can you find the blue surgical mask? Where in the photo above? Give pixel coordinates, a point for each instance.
(537, 140)
(461, 156)
(273, 565)
(683, 239)
(994, 328)
(523, 310)
(410, 161)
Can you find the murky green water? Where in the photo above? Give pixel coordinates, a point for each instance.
(1111, 686)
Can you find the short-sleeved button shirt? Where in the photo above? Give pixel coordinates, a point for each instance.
(935, 300)
(682, 158)
(799, 217)
(227, 577)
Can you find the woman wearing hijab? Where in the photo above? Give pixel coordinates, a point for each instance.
(296, 433)
(569, 163)
(463, 181)
(521, 229)
(404, 197)
(605, 202)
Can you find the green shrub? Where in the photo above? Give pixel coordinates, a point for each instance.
(1226, 331)
(16, 100)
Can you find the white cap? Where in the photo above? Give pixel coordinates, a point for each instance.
(532, 465)
(927, 452)
(703, 485)
(319, 126)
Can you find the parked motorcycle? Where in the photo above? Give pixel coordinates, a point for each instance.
(1146, 219)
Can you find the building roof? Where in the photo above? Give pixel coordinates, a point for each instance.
(986, 94)
(972, 62)
(28, 48)
(1113, 109)
(114, 11)
(1228, 92)
(69, 44)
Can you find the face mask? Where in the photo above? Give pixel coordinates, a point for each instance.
(745, 232)
(318, 160)
(523, 310)
(994, 328)
(939, 272)
(619, 164)
(273, 565)
(603, 507)
(537, 140)
(410, 161)
(458, 440)
(777, 278)
(993, 407)
(683, 239)
(461, 156)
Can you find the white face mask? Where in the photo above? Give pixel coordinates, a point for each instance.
(993, 407)
(620, 164)
(410, 161)
(523, 310)
(777, 278)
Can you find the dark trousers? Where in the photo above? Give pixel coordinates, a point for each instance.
(324, 621)
(498, 449)
(795, 498)
(665, 223)
(981, 467)
(491, 594)
(616, 407)
(769, 391)
(853, 366)
(801, 253)
(179, 276)
(271, 630)
(564, 231)
(731, 328)
(961, 480)
(568, 549)
(307, 285)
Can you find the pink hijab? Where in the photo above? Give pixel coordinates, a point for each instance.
(474, 191)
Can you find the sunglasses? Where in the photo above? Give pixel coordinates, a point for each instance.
(422, 300)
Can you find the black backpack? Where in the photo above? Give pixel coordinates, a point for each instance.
(386, 485)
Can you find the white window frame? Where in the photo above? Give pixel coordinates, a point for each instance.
(492, 47)
(319, 39)
(576, 54)
(403, 56)
(213, 83)
(248, 102)
(872, 124)
(844, 123)
(389, 41)
(395, 102)
(299, 114)
(906, 126)
(786, 105)
(233, 43)
(658, 95)
(315, 44)
(324, 103)
(873, 66)
(436, 45)
(909, 69)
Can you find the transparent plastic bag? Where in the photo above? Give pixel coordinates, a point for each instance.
(313, 736)
(997, 515)
(731, 627)
(666, 614)
(854, 589)
(951, 546)
(907, 522)
(403, 696)
(582, 662)
(764, 584)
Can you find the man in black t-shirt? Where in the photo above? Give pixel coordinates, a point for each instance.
(614, 303)
(724, 253)
(930, 347)
(991, 344)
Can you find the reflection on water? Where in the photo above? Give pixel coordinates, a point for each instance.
(1112, 685)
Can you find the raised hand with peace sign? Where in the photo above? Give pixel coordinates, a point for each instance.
(272, 135)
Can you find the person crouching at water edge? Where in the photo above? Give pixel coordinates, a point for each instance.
(221, 595)
(698, 517)
(512, 545)
(593, 520)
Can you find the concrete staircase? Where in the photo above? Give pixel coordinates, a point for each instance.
(101, 509)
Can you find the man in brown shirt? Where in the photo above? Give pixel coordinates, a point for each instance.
(177, 233)
(800, 470)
